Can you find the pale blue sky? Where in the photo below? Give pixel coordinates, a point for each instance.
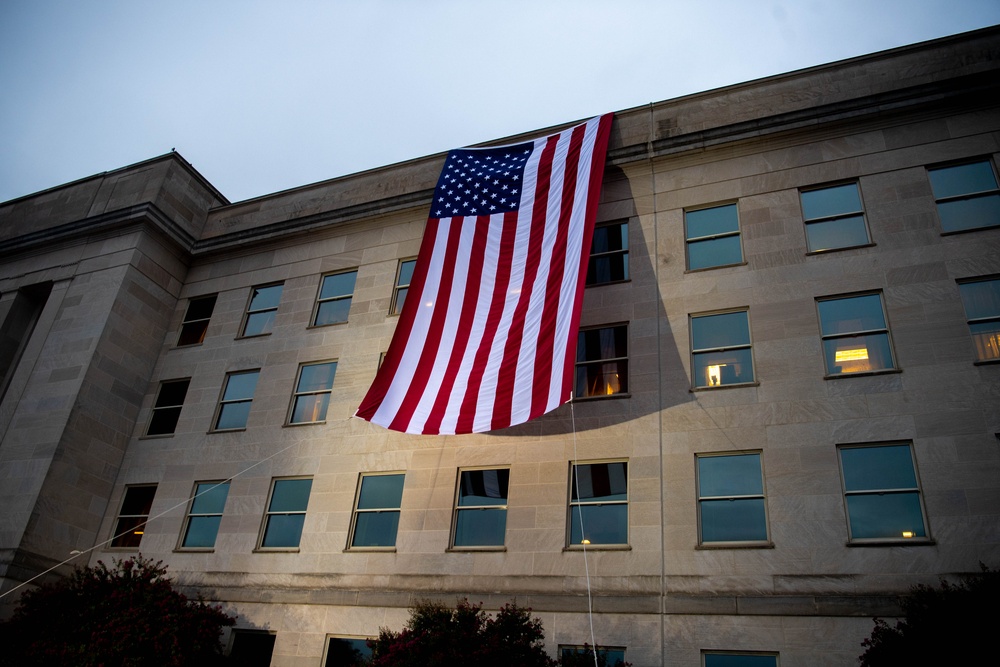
(265, 96)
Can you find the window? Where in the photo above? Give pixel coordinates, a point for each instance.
(204, 515)
(403, 278)
(881, 493)
(713, 237)
(376, 510)
(251, 648)
(608, 254)
(347, 652)
(731, 499)
(17, 326)
(599, 503)
(602, 361)
(133, 515)
(967, 196)
(334, 302)
(982, 308)
(286, 513)
(234, 406)
(481, 508)
(855, 335)
(167, 407)
(613, 656)
(261, 310)
(196, 319)
(720, 349)
(728, 659)
(834, 218)
(312, 393)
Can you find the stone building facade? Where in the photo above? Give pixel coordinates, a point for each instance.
(789, 395)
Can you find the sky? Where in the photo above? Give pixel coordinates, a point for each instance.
(265, 96)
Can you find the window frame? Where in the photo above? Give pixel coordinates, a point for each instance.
(695, 352)
(317, 307)
(774, 654)
(118, 536)
(458, 508)
(249, 312)
(989, 319)
(621, 362)
(689, 239)
(394, 307)
(722, 544)
(189, 322)
(835, 217)
(198, 492)
(571, 504)
(828, 374)
(624, 252)
(223, 401)
(967, 196)
(918, 489)
(297, 393)
(268, 513)
(356, 511)
(163, 408)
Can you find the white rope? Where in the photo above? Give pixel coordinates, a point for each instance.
(583, 533)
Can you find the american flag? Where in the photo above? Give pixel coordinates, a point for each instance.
(486, 338)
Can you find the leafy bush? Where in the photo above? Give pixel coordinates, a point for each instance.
(127, 615)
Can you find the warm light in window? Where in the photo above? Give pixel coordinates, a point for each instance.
(857, 354)
(715, 375)
(137, 532)
(907, 533)
(585, 542)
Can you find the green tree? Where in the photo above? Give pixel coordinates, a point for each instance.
(939, 624)
(437, 636)
(127, 615)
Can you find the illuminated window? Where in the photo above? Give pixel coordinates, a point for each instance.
(834, 218)
(731, 499)
(481, 508)
(403, 277)
(167, 407)
(602, 361)
(204, 515)
(720, 349)
(376, 510)
(334, 301)
(713, 237)
(195, 324)
(132, 517)
(347, 652)
(263, 306)
(733, 659)
(312, 393)
(855, 335)
(286, 513)
(610, 656)
(237, 395)
(882, 493)
(982, 308)
(967, 196)
(598, 507)
(608, 254)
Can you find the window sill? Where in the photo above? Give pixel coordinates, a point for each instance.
(946, 232)
(293, 424)
(735, 385)
(712, 268)
(385, 550)
(194, 550)
(827, 251)
(227, 430)
(894, 542)
(184, 347)
(156, 436)
(601, 397)
(887, 371)
(598, 547)
(260, 335)
(986, 362)
(276, 550)
(324, 326)
(710, 546)
(486, 549)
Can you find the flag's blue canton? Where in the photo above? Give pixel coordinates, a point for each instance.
(481, 181)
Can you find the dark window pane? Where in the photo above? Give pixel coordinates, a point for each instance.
(600, 481)
(890, 515)
(613, 657)
(480, 527)
(962, 179)
(163, 421)
(714, 252)
(344, 652)
(733, 520)
(172, 393)
(606, 343)
(376, 529)
(192, 333)
(259, 323)
(200, 308)
(316, 377)
(310, 408)
(381, 491)
(713, 369)
(333, 312)
(842, 233)
(484, 487)
(290, 495)
(138, 500)
(962, 214)
(606, 269)
(724, 330)
(201, 532)
(878, 468)
(283, 530)
(730, 475)
(850, 315)
(251, 649)
(737, 660)
(233, 415)
(838, 200)
(240, 386)
(602, 524)
(210, 498)
(340, 284)
(128, 532)
(981, 299)
(858, 354)
(711, 221)
(265, 297)
(609, 238)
